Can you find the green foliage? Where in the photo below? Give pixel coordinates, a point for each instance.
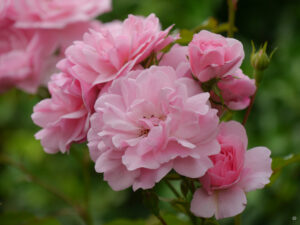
(126, 222)
(278, 163)
(210, 24)
(23, 218)
(210, 222)
(184, 187)
(281, 162)
(185, 36)
(150, 199)
(170, 219)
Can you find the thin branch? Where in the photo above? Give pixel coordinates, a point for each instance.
(249, 109)
(161, 220)
(231, 18)
(86, 178)
(173, 189)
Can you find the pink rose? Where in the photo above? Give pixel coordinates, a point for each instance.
(56, 13)
(148, 123)
(20, 59)
(65, 116)
(61, 39)
(235, 172)
(3, 8)
(107, 53)
(5, 12)
(236, 90)
(212, 55)
(4, 4)
(177, 58)
(28, 56)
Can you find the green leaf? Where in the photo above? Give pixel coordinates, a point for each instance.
(174, 220)
(227, 116)
(223, 27)
(209, 24)
(185, 37)
(278, 163)
(218, 92)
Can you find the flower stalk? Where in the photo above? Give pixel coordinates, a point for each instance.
(231, 18)
(260, 61)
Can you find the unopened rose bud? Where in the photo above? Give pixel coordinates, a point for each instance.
(260, 59)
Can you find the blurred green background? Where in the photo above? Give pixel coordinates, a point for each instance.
(274, 122)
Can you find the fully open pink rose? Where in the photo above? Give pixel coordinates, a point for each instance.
(148, 123)
(236, 90)
(107, 53)
(56, 13)
(212, 55)
(65, 116)
(235, 172)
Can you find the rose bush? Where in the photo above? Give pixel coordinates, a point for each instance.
(147, 106)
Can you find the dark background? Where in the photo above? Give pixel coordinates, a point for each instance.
(274, 122)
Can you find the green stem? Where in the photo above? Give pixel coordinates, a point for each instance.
(86, 177)
(249, 109)
(231, 18)
(192, 187)
(257, 81)
(173, 189)
(161, 220)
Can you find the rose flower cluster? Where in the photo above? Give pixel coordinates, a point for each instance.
(34, 35)
(147, 106)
